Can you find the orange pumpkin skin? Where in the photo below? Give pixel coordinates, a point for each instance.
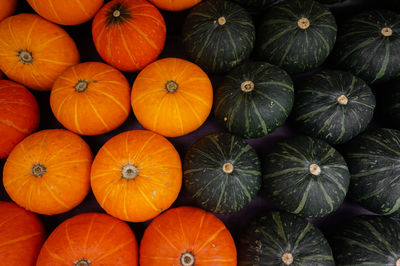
(91, 98)
(35, 51)
(48, 172)
(136, 175)
(129, 34)
(90, 237)
(21, 235)
(66, 12)
(172, 97)
(190, 234)
(19, 115)
(175, 5)
(7, 7)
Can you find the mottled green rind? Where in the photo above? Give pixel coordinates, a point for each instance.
(367, 240)
(317, 112)
(373, 159)
(267, 238)
(390, 104)
(363, 50)
(259, 112)
(289, 183)
(212, 188)
(281, 42)
(218, 48)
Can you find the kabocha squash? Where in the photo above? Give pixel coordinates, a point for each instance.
(48, 172)
(129, 34)
(7, 7)
(218, 35)
(21, 235)
(334, 106)
(176, 5)
(297, 35)
(187, 236)
(19, 115)
(172, 97)
(222, 172)
(280, 238)
(136, 175)
(306, 176)
(90, 239)
(91, 98)
(254, 99)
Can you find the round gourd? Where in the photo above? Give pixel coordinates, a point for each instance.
(368, 45)
(172, 97)
(136, 175)
(129, 34)
(175, 5)
(48, 171)
(218, 35)
(254, 99)
(19, 115)
(187, 236)
(334, 106)
(35, 51)
(306, 176)
(7, 8)
(222, 172)
(90, 239)
(280, 238)
(91, 98)
(296, 35)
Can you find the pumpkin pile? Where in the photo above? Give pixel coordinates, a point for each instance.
(199, 132)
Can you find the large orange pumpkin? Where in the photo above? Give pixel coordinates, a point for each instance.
(91, 98)
(187, 236)
(90, 239)
(21, 235)
(35, 51)
(175, 5)
(19, 115)
(66, 12)
(136, 175)
(48, 172)
(129, 34)
(7, 7)
(172, 97)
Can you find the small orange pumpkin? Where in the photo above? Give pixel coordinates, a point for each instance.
(7, 7)
(48, 172)
(172, 97)
(35, 51)
(175, 5)
(91, 98)
(136, 175)
(187, 236)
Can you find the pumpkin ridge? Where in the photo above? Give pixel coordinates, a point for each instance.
(125, 44)
(166, 238)
(146, 198)
(111, 251)
(211, 238)
(22, 238)
(144, 35)
(79, 4)
(112, 98)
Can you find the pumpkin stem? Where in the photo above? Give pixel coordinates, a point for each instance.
(315, 169)
(25, 57)
(38, 170)
(187, 259)
(117, 14)
(342, 99)
(129, 171)
(81, 86)
(247, 86)
(398, 262)
(171, 86)
(227, 168)
(82, 262)
(303, 23)
(287, 258)
(387, 32)
(221, 20)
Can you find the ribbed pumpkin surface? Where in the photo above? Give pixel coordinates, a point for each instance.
(7, 8)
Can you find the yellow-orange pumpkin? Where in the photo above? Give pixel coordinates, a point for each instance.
(7, 7)
(175, 5)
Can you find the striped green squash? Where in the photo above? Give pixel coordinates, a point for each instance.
(297, 35)
(373, 160)
(368, 45)
(218, 35)
(367, 240)
(306, 176)
(222, 172)
(279, 238)
(254, 99)
(334, 106)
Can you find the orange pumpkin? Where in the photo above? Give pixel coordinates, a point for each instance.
(175, 5)
(34, 51)
(172, 97)
(66, 12)
(90, 239)
(21, 235)
(7, 7)
(19, 115)
(91, 98)
(129, 34)
(48, 172)
(136, 175)
(187, 236)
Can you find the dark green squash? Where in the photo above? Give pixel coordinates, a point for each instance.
(218, 35)
(296, 35)
(306, 176)
(222, 172)
(279, 238)
(334, 106)
(254, 99)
